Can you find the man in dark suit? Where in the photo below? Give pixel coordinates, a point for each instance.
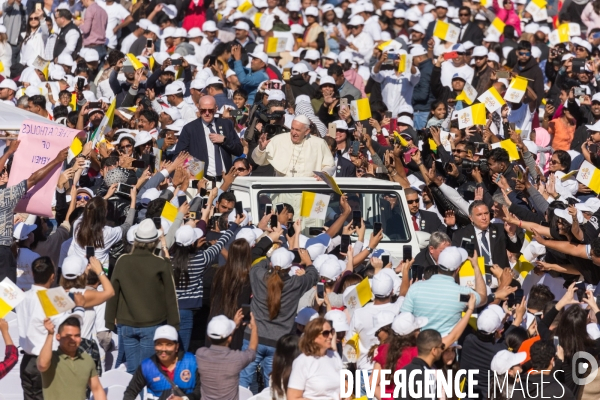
(422, 220)
(209, 139)
(343, 167)
(429, 255)
(491, 240)
(469, 31)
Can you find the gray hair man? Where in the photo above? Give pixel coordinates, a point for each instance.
(438, 241)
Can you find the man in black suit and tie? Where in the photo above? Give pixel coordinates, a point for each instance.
(209, 139)
(491, 240)
(469, 31)
(422, 220)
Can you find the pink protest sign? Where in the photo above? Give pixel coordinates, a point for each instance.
(40, 144)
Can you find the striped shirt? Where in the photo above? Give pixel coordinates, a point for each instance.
(9, 198)
(190, 297)
(438, 300)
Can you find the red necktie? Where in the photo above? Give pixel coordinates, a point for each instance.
(414, 217)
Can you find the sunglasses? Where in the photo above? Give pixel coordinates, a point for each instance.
(327, 333)
(524, 54)
(459, 151)
(127, 146)
(412, 201)
(241, 169)
(34, 19)
(462, 53)
(479, 58)
(554, 162)
(86, 198)
(207, 111)
(579, 48)
(464, 15)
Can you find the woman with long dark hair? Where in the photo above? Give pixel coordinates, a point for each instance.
(35, 39)
(92, 229)
(286, 351)
(573, 338)
(231, 287)
(189, 263)
(274, 303)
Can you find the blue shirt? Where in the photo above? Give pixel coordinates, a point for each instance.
(438, 300)
(250, 80)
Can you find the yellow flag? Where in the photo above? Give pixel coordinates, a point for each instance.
(351, 350)
(516, 89)
(73, 103)
(55, 301)
(2, 67)
(360, 295)
(329, 180)
(511, 148)
(466, 273)
(497, 27)
(492, 99)
(446, 31)
(135, 62)
(474, 115)
(314, 205)
(169, 212)
(404, 62)
(245, 6)
(523, 267)
(360, 109)
(468, 94)
(10, 296)
(589, 176)
(151, 63)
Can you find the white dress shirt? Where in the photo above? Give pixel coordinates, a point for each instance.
(187, 112)
(364, 43)
(210, 150)
(396, 90)
(71, 39)
(480, 251)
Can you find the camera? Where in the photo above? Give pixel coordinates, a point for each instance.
(424, 133)
(266, 118)
(578, 92)
(482, 164)
(272, 130)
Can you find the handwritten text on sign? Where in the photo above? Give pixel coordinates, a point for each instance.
(40, 143)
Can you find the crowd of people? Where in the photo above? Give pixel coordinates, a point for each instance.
(200, 297)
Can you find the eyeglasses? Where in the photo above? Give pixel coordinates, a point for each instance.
(327, 333)
(524, 54)
(464, 15)
(579, 48)
(412, 201)
(459, 151)
(34, 19)
(241, 169)
(207, 111)
(86, 198)
(127, 146)
(554, 162)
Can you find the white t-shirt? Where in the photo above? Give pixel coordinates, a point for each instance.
(448, 71)
(116, 14)
(127, 42)
(111, 236)
(522, 117)
(24, 274)
(318, 378)
(361, 323)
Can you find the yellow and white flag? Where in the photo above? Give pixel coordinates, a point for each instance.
(195, 167)
(516, 90)
(404, 62)
(55, 301)
(276, 45)
(589, 176)
(314, 205)
(467, 273)
(358, 296)
(10, 296)
(538, 10)
(105, 124)
(74, 150)
(446, 31)
(497, 27)
(169, 212)
(564, 33)
(492, 99)
(469, 94)
(137, 64)
(329, 180)
(510, 147)
(474, 115)
(351, 350)
(360, 109)
(522, 267)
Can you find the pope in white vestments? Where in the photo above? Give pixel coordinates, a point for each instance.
(295, 154)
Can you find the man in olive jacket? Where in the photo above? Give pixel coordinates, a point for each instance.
(145, 296)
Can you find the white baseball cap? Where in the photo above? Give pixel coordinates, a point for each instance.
(400, 13)
(418, 50)
(194, 32)
(186, 235)
(451, 258)
(382, 285)
(275, 94)
(341, 125)
(22, 230)
(8, 84)
(299, 68)
(242, 26)
(441, 4)
(209, 26)
(488, 321)
(312, 11)
(406, 323)
(338, 320)
(331, 270)
(282, 258)
(357, 20)
(73, 266)
(505, 360)
(261, 55)
(220, 327)
(327, 80)
(166, 332)
(480, 51)
(173, 88)
(168, 32)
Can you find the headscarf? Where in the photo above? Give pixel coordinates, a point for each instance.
(542, 140)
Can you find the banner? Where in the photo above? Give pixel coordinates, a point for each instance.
(40, 144)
